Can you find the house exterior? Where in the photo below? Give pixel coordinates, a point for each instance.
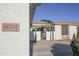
(57, 31)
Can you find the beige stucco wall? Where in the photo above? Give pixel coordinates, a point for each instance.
(57, 32)
(72, 30)
(14, 43)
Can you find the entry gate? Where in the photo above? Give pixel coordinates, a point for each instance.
(43, 35)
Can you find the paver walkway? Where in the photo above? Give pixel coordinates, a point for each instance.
(55, 48)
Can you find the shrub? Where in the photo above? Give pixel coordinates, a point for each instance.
(78, 34)
(75, 45)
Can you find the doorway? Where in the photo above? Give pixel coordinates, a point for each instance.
(43, 33)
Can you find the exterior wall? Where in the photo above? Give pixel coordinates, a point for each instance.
(52, 35)
(57, 32)
(48, 35)
(38, 35)
(72, 31)
(14, 43)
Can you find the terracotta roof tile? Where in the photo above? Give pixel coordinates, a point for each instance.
(67, 23)
(60, 22)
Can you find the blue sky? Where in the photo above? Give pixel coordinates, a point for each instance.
(57, 12)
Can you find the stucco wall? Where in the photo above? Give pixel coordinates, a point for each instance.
(48, 35)
(38, 35)
(14, 43)
(72, 31)
(57, 32)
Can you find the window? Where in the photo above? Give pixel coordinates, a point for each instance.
(77, 28)
(64, 29)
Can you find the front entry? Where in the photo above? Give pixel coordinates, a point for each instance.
(43, 34)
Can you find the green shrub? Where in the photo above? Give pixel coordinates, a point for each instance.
(75, 45)
(78, 34)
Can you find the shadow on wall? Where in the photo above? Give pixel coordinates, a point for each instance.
(61, 50)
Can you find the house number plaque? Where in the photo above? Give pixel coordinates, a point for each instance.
(10, 26)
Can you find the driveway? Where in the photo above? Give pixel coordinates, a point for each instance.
(42, 50)
(56, 48)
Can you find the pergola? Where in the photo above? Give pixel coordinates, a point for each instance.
(44, 26)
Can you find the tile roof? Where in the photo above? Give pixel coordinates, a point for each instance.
(60, 23)
(67, 23)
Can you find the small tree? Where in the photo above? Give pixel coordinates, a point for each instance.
(75, 45)
(48, 21)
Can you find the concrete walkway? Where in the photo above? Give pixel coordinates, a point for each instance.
(42, 50)
(55, 49)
